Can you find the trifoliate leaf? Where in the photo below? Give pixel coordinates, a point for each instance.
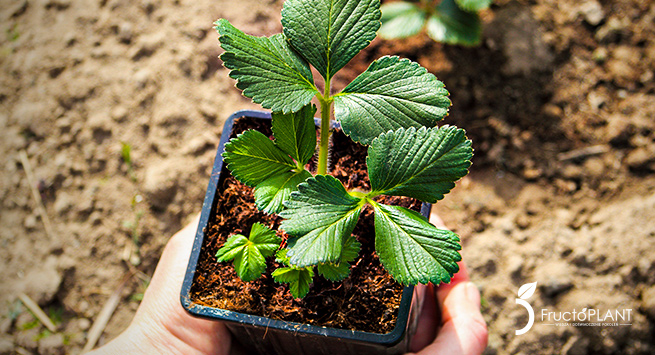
(338, 272)
(450, 24)
(392, 93)
(413, 250)
(401, 19)
(473, 5)
(298, 279)
(423, 164)
(321, 215)
(272, 192)
(252, 158)
(266, 69)
(265, 239)
(249, 253)
(295, 133)
(233, 246)
(329, 33)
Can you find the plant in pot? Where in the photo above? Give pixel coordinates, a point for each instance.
(388, 114)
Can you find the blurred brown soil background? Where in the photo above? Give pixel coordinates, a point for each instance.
(558, 100)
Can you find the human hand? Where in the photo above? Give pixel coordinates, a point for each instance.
(161, 325)
(461, 328)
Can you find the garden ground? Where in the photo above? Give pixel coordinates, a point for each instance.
(558, 101)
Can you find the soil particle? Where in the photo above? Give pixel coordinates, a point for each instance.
(6, 344)
(592, 12)
(30, 222)
(161, 183)
(620, 130)
(28, 338)
(52, 344)
(42, 282)
(63, 203)
(521, 39)
(641, 160)
(648, 301)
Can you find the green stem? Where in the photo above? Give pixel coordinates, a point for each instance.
(326, 103)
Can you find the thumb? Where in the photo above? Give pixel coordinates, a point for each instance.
(464, 331)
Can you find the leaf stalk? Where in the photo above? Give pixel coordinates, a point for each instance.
(326, 103)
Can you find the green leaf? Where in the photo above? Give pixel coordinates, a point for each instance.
(249, 253)
(423, 164)
(295, 133)
(329, 33)
(266, 69)
(334, 272)
(473, 5)
(413, 250)
(401, 19)
(252, 158)
(249, 264)
(452, 25)
(338, 272)
(298, 279)
(272, 192)
(265, 239)
(233, 246)
(321, 214)
(392, 93)
(350, 249)
(281, 256)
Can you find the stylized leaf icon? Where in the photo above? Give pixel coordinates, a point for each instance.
(526, 291)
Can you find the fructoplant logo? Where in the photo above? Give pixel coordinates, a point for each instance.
(526, 291)
(587, 317)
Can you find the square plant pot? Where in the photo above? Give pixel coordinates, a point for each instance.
(269, 336)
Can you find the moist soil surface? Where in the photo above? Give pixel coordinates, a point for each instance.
(330, 304)
(558, 100)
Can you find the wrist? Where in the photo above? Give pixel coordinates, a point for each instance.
(139, 339)
(132, 340)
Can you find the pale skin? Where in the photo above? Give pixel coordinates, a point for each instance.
(162, 326)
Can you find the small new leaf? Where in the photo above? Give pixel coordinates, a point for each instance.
(392, 93)
(452, 25)
(321, 215)
(295, 133)
(249, 254)
(272, 192)
(252, 158)
(413, 250)
(338, 272)
(401, 19)
(329, 33)
(298, 279)
(423, 164)
(266, 69)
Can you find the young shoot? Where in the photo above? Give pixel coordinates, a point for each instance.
(393, 108)
(249, 254)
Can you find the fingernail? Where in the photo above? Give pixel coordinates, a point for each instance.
(472, 293)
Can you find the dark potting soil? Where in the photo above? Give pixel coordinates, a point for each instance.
(367, 300)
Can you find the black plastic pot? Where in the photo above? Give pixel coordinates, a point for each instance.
(268, 336)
